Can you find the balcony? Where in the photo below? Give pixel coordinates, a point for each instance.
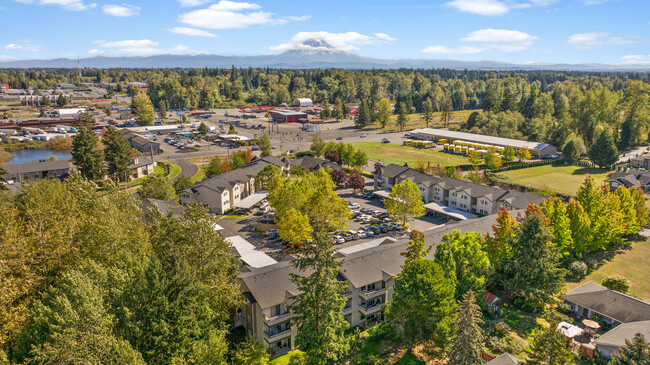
(270, 321)
(372, 293)
(374, 308)
(276, 335)
(346, 310)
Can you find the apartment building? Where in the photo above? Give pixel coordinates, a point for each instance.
(463, 195)
(36, 170)
(370, 272)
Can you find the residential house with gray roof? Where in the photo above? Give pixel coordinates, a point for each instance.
(609, 343)
(631, 178)
(36, 170)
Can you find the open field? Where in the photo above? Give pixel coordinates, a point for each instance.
(399, 155)
(633, 263)
(416, 121)
(560, 179)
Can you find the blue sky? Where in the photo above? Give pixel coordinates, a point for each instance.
(567, 31)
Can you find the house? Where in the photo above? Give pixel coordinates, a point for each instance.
(448, 195)
(492, 301)
(37, 170)
(219, 193)
(311, 164)
(631, 178)
(140, 143)
(504, 359)
(141, 167)
(613, 307)
(640, 162)
(369, 270)
(609, 343)
(164, 206)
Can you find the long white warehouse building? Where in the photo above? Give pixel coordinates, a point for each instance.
(537, 149)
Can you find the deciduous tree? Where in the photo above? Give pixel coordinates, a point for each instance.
(143, 109)
(264, 143)
(463, 259)
(405, 202)
(157, 187)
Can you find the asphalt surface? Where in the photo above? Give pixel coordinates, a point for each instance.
(189, 169)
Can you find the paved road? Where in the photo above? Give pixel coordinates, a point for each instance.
(637, 151)
(189, 169)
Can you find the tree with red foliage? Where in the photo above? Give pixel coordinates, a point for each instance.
(356, 181)
(339, 177)
(333, 156)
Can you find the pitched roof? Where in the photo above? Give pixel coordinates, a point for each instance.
(504, 359)
(142, 161)
(616, 337)
(271, 285)
(311, 163)
(141, 140)
(391, 170)
(610, 303)
(520, 200)
(164, 206)
(636, 178)
(229, 179)
(479, 138)
(36, 166)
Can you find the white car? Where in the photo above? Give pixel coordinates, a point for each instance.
(338, 239)
(362, 233)
(272, 230)
(354, 206)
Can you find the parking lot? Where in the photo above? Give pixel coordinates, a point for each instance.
(244, 227)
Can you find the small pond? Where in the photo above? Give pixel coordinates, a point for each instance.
(23, 156)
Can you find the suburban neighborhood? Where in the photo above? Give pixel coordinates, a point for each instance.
(464, 182)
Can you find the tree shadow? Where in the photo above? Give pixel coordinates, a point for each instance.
(589, 170)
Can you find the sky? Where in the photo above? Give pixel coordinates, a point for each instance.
(518, 31)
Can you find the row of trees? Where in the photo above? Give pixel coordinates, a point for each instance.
(343, 154)
(95, 158)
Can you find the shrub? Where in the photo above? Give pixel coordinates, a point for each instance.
(618, 283)
(578, 269)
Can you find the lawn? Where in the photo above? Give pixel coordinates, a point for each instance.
(174, 170)
(200, 175)
(633, 263)
(560, 179)
(415, 121)
(399, 155)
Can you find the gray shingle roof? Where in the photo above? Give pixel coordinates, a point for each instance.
(504, 359)
(164, 206)
(520, 200)
(271, 285)
(629, 178)
(36, 166)
(626, 331)
(610, 303)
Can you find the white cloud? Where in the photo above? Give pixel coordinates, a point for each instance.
(192, 32)
(4, 58)
(135, 47)
(596, 2)
(492, 39)
(21, 47)
(592, 39)
(298, 18)
(458, 51)
(122, 11)
(480, 7)
(229, 15)
(343, 41)
(72, 5)
(188, 3)
(636, 59)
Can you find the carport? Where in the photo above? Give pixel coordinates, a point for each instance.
(450, 212)
(250, 201)
(250, 254)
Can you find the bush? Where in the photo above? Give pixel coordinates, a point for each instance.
(618, 283)
(592, 263)
(305, 153)
(578, 269)
(556, 316)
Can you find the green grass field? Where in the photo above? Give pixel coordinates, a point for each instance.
(561, 179)
(174, 170)
(399, 155)
(632, 263)
(416, 121)
(200, 175)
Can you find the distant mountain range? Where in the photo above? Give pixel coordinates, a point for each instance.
(312, 53)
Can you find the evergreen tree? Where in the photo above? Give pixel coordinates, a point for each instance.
(86, 156)
(318, 307)
(326, 112)
(427, 111)
(603, 151)
(635, 352)
(117, 154)
(467, 346)
(264, 143)
(61, 100)
(363, 117)
(550, 348)
(162, 110)
(533, 269)
(203, 129)
(401, 116)
(217, 166)
(447, 109)
(508, 154)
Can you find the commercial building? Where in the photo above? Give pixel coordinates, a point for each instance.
(37, 170)
(69, 113)
(140, 143)
(288, 116)
(301, 102)
(453, 197)
(537, 149)
(370, 272)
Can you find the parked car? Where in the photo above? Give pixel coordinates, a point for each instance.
(369, 195)
(362, 233)
(355, 234)
(348, 236)
(363, 136)
(376, 229)
(338, 239)
(339, 138)
(385, 140)
(369, 232)
(354, 206)
(274, 236)
(272, 230)
(263, 210)
(383, 228)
